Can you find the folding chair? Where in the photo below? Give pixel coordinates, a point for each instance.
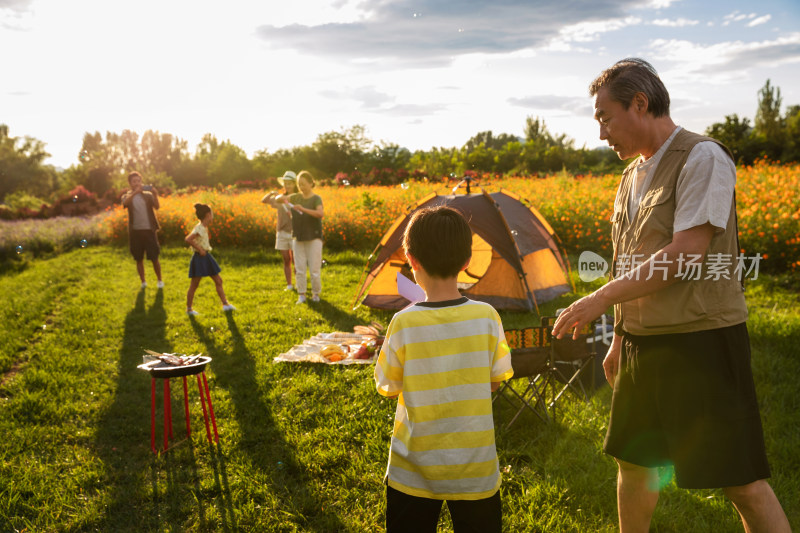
(573, 362)
(532, 363)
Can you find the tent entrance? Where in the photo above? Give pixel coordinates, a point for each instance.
(478, 265)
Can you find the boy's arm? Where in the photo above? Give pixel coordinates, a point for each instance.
(501, 359)
(388, 369)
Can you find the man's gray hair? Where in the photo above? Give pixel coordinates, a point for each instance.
(630, 76)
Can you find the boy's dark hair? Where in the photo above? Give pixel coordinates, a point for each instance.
(201, 210)
(440, 239)
(133, 175)
(630, 76)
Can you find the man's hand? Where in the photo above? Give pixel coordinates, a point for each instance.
(611, 361)
(579, 314)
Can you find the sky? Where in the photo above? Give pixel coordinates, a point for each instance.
(417, 73)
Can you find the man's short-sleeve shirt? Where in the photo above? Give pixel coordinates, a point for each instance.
(704, 190)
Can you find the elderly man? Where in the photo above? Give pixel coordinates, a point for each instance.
(141, 201)
(680, 359)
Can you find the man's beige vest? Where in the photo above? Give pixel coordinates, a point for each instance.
(690, 304)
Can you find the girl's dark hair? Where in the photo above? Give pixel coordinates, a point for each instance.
(440, 239)
(201, 210)
(630, 76)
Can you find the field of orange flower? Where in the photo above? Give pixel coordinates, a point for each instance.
(578, 208)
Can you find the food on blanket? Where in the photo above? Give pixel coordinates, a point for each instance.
(373, 330)
(362, 353)
(332, 352)
(367, 349)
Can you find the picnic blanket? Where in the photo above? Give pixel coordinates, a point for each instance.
(308, 351)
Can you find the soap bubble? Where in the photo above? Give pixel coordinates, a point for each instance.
(75, 199)
(514, 232)
(212, 329)
(324, 263)
(84, 155)
(19, 249)
(404, 185)
(84, 243)
(345, 183)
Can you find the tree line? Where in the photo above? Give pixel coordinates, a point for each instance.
(105, 160)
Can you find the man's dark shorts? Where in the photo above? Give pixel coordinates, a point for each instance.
(144, 241)
(688, 400)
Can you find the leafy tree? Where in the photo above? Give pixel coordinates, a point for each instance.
(162, 152)
(737, 135)
(267, 166)
(21, 165)
(507, 158)
(387, 155)
(768, 124)
(791, 149)
(536, 130)
(436, 162)
(100, 161)
(106, 161)
(478, 158)
(343, 151)
(221, 162)
(489, 141)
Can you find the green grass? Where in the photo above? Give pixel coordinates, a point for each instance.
(302, 447)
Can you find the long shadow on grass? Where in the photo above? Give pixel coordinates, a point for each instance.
(235, 369)
(339, 318)
(123, 441)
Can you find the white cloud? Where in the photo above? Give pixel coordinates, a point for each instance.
(584, 32)
(726, 61)
(760, 20)
(677, 23)
(15, 5)
(660, 4)
(737, 17)
(431, 33)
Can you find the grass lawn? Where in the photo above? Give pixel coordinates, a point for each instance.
(302, 447)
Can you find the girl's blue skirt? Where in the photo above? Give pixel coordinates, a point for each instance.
(203, 266)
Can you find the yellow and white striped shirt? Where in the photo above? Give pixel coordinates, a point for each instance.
(441, 358)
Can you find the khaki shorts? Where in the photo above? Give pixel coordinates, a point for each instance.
(283, 240)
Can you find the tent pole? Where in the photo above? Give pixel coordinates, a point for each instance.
(521, 272)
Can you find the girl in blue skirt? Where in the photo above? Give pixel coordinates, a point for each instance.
(203, 263)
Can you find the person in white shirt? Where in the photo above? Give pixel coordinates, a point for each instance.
(679, 362)
(141, 201)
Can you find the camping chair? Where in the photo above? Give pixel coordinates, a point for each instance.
(531, 361)
(573, 362)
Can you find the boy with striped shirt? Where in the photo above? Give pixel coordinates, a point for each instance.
(443, 358)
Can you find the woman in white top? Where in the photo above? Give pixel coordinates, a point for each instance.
(203, 263)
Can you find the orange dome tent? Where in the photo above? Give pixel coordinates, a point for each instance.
(515, 265)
